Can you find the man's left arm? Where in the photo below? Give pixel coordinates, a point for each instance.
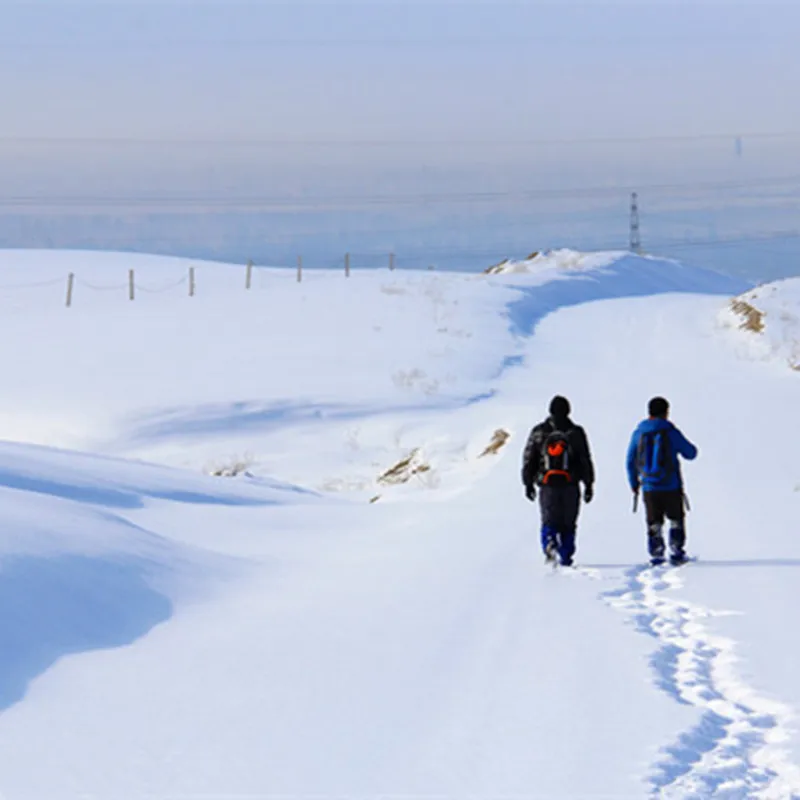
(684, 446)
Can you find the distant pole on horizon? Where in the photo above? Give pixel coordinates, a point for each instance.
(636, 239)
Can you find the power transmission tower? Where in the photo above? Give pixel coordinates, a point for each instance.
(636, 240)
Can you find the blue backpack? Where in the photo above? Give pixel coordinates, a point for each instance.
(655, 462)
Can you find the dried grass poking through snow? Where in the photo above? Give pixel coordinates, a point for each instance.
(499, 438)
(233, 468)
(404, 470)
(752, 318)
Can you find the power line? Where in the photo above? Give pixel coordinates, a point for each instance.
(110, 42)
(458, 251)
(165, 141)
(773, 236)
(278, 202)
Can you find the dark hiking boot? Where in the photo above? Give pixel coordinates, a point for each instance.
(655, 545)
(551, 552)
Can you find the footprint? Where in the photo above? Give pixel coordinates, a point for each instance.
(726, 754)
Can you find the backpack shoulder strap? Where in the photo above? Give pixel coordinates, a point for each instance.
(666, 460)
(641, 451)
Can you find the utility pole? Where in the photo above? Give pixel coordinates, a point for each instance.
(636, 239)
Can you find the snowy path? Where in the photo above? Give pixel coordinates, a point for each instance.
(736, 748)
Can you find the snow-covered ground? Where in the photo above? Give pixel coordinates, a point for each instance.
(362, 610)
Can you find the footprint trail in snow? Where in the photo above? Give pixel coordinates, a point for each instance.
(736, 750)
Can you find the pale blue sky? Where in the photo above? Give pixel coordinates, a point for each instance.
(399, 70)
(376, 99)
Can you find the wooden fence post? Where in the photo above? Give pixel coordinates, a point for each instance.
(347, 265)
(131, 285)
(299, 268)
(249, 279)
(191, 281)
(70, 283)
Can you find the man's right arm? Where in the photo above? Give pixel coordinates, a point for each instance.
(530, 459)
(630, 462)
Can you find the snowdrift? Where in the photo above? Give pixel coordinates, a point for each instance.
(564, 260)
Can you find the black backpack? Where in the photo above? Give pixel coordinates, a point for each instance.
(558, 459)
(654, 460)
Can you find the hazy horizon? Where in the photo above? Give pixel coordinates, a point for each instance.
(399, 117)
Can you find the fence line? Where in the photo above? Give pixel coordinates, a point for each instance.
(116, 287)
(349, 263)
(73, 281)
(32, 285)
(169, 287)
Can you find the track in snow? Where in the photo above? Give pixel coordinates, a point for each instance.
(735, 751)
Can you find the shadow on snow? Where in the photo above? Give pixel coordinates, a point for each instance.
(715, 563)
(119, 496)
(53, 607)
(226, 418)
(629, 276)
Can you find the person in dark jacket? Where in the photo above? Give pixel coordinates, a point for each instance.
(556, 461)
(653, 467)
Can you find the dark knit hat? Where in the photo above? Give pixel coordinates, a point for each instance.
(658, 407)
(559, 407)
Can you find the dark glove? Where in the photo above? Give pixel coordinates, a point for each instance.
(530, 492)
(588, 493)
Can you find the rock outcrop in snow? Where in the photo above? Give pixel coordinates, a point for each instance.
(562, 259)
(769, 318)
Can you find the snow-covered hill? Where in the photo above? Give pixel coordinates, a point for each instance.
(363, 610)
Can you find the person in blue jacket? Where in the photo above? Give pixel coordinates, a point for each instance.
(654, 468)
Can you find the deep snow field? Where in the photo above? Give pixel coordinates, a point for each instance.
(272, 542)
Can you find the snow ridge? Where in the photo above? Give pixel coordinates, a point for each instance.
(736, 749)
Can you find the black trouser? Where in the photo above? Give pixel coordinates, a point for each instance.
(559, 506)
(659, 505)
